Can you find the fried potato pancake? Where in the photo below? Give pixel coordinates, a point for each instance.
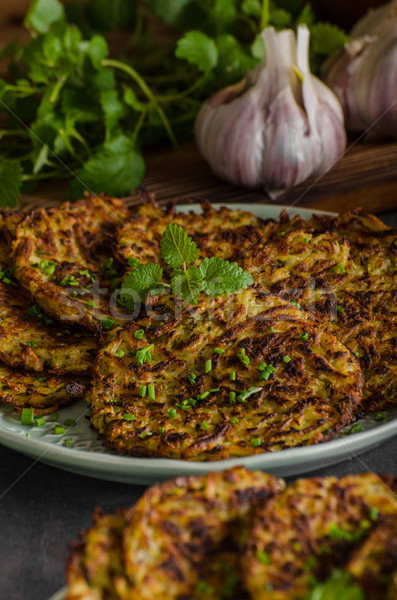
(302, 534)
(343, 270)
(232, 376)
(61, 257)
(8, 225)
(43, 392)
(160, 548)
(175, 525)
(139, 237)
(36, 342)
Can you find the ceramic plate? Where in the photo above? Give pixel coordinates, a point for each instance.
(61, 595)
(78, 449)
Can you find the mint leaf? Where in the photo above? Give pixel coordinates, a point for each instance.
(223, 277)
(115, 169)
(198, 49)
(177, 247)
(139, 282)
(10, 182)
(43, 13)
(187, 285)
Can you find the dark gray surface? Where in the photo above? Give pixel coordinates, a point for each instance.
(42, 509)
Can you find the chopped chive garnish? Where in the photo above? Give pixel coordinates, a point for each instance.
(233, 376)
(287, 359)
(356, 353)
(67, 443)
(219, 351)
(208, 366)
(263, 557)
(138, 335)
(32, 344)
(183, 406)
(59, 334)
(145, 434)
(255, 442)
(203, 395)
(295, 303)
(128, 417)
(54, 417)
(192, 378)
(172, 413)
(243, 357)
(340, 309)
(27, 416)
(39, 422)
(142, 391)
(333, 270)
(341, 268)
(161, 430)
(41, 379)
(272, 329)
(214, 390)
(151, 391)
(120, 353)
(380, 417)
(247, 393)
(107, 323)
(264, 375)
(262, 366)
(373, 513)
(356, 428)
(306, 240)
(28, 435)
(69, 422)
(58, 430)
(90, 304)
(232, 397)
(281, 233)
(133, 262)
(305, 336)
(205, 425)
(234, 420)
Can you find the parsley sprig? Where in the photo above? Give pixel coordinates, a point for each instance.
(215, 276)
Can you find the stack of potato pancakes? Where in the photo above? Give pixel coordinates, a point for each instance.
(242, 535)
(305, 350)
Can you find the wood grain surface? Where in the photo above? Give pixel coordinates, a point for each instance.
(366, 177)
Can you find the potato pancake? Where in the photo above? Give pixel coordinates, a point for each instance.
(42, 391)
(160, 548)
(302, 534)
(31, 340)
(62, 256)
(8, 225)
(232, 376)
(349, 284)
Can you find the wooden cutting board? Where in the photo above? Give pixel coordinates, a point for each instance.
(366, 177)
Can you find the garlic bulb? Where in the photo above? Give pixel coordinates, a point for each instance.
(278, 126)
(364, 74)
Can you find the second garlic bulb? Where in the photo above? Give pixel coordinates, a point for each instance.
(278, 126)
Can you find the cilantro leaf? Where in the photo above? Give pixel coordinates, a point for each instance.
(223, 277)
(252, 7)
(327, 38)
(10, 182)
(187, 284)
(198, 49)
(43, 13)
(116, 168)
(177, 247)
(233, 62)
(139, 282)
(97, 50)
(113, 108)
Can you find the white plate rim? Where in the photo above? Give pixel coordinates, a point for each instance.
(148, 470)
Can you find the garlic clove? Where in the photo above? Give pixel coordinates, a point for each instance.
(277, 127)
(364, 74)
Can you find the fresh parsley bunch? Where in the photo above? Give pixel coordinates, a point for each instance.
(74, 107)
(215, 276)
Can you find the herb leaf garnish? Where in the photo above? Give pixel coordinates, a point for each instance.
(177, 247)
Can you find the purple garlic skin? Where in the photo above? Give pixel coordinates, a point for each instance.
(364, 74)
(277, 127)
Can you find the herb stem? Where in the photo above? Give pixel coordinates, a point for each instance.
(116, 64)
(265, 14)
(183, 94)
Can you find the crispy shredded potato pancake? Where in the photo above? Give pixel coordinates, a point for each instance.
(160, 547)
(62, 256)
(232, 376)
(299, 536)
